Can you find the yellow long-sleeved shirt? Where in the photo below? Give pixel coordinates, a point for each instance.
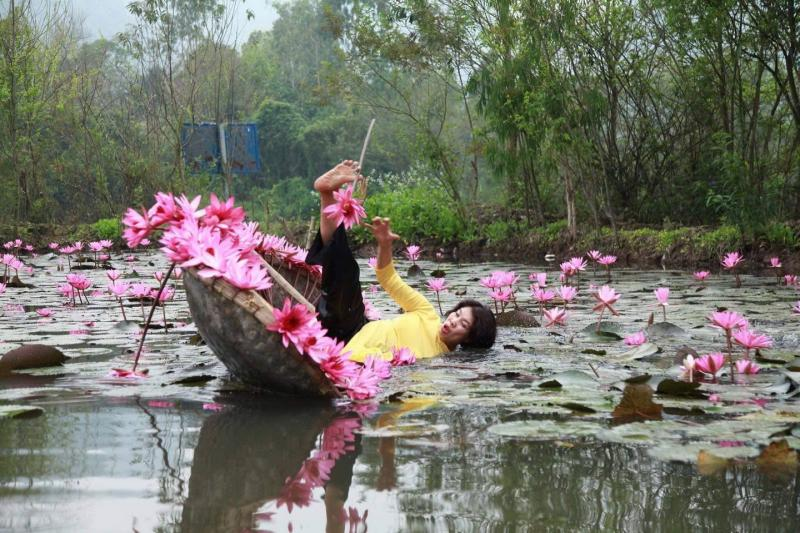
(417, 329)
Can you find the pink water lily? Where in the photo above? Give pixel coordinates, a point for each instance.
(745, 366)
(662, 295)
(790, 280)
(711, 364)
(403, 356)
(543, 296)
(567, 293)
(594, 255)
(437, 284)
(413, 252)
(53, 246)
(347, 210)
(751, 340)
(606, 297)
(796, 308)
(556, 317)
(372, 262)
(113, 275)
(688, 367)
(44, 312)
(127, 374)
(774, 262)
(728, 320)
(607, 261)
(540, 278)
(637, 339)
(292, 322)
(730, 262)
(701, 275)
(224, 214)
(246, 274)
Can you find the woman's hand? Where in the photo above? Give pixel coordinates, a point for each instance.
(382, 230)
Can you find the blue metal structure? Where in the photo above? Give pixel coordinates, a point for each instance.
(201, 147)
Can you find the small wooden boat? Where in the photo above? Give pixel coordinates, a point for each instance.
(233, 322)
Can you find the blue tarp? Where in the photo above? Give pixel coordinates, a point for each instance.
(201, 148)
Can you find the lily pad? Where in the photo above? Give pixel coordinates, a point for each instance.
(644, 350)
(672, 387)
(666, 330)
(20, 411)
(606, 331)
(544, 429)
(517, 318)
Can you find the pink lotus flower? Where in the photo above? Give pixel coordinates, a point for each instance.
(213, 406)
(44, 312)
(745, 366)
(224, 214)
(578, 264)
(246, 274)
(556, 317)
(292, 321)
(594, 255)
(502, 294)
(606, 297)
(701, 275)
(688, 367)
(542, 296)
(750, 340)
(158, 276)
(795, 309)
(728, 320)
(790, 279)
(95, 246)
(774, 262)
(166, 294)
(540, 278)
(160, 404)
(710, 364)
(714, 398)
(637, 339)
(105, 243)
(177, 273)
(372, 262)
(338, 367)
(662, 295)
(731, 260)
(113, 275)
(65, 289)
(140, 290)
(607, 260)
(413, 252)
(53, 246)
(403, 356)
(137, 227)
(145, 242)
(118, 289)
(568, 269)
(346, 210)
(437, 284)
(567, 293)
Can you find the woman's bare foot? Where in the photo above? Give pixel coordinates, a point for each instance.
(345, 172)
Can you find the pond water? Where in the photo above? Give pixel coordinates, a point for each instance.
(464, 442)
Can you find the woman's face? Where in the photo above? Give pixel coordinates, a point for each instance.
(456, 326)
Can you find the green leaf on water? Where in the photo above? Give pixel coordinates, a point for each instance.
(20, 411)
(592, 351)
(544, 429)
(550, 384)
(672, 387)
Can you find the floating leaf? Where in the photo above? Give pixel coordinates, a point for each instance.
(544, 429)
(550, 384)
(194, 380)
(680, 388)
(778, 455)
(638, 352)
(578, 407)
(637, 404)
(592, 351)
(665, 330)
(20, 411)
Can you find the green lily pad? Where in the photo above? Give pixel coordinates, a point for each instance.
(544, 429)
(409, 429)
(20, 411)
(680, 388)
(638, 352)
(592, 351)
(666, 330)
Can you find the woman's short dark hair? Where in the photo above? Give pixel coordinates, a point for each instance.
(484, 328)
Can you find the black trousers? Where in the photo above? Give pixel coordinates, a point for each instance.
(341, 305)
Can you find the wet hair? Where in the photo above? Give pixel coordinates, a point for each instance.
(484, 328)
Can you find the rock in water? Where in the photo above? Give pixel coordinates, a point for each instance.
(31, 356)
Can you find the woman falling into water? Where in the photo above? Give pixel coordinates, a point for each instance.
(341, 307)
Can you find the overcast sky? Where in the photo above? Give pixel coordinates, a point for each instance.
(108, 17)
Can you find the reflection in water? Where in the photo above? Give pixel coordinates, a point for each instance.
(265, 453)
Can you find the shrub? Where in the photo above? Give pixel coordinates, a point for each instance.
(780, 235)
(108, 228)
